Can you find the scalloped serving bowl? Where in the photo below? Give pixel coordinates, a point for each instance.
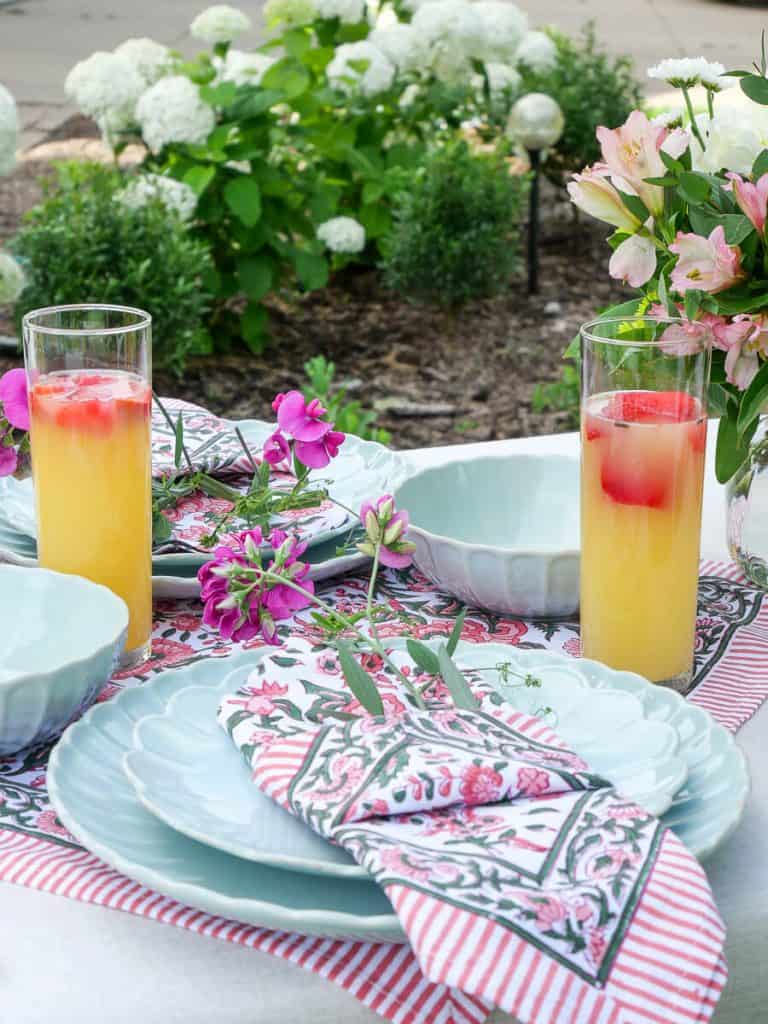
(499, 532)
(61, 636)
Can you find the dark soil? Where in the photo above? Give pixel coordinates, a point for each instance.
(437, 377)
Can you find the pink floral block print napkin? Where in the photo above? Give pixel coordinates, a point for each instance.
(215, 449)
(519, 877)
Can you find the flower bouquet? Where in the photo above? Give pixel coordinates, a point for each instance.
(688, 196)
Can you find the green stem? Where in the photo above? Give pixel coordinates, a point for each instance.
(172, 425)
(710, 103)
(692, 116)
(373, 640)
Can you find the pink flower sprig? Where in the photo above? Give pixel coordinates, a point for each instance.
(242, 597)
(303, 434)
(385, 533)
(14, 420)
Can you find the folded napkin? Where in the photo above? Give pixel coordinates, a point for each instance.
(211, 442)
(519, 877)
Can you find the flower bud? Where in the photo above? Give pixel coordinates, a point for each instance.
(393, 532)
(372, 528)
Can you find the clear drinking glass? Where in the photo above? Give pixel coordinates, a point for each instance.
(90, 397)
(643, 442)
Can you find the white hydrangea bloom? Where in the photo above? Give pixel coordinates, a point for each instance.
(377, 77)
(172, 111)
(504, 28)
(105, 83)
(342, 234)
(291, 13)
(538, 52)
(349, 12)
(243, 68)
(150, 59)
(174, 195)
(452, 32)
(401, 44)
(9, 131)
(220, 24)
(502, 78)
(688, 71)
(11, 279)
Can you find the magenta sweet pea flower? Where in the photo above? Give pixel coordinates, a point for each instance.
(385, 530)
(13, 398)
(301, 419)
(8, 460)
(276, 449)
(240, 601)
(317, 454)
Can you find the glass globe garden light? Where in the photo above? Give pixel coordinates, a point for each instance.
(536, 121)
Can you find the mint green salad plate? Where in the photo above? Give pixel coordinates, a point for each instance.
(96, 801)
(188, 773)
(361, 469)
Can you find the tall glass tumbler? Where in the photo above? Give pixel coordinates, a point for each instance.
(643, 442)
(90, 396)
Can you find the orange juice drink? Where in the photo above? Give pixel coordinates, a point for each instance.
(641, 492)
(91, 461)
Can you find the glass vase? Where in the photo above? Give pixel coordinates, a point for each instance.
(747, 511)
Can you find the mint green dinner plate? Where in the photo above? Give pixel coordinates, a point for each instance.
(96, 801)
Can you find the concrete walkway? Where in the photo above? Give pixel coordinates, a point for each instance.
(40, 40)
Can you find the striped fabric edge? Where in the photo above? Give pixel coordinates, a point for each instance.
(382, 976)
(669, 968)
(737, 685)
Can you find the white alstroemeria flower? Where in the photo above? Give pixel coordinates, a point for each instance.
(105, 83)
(11, 279)
(152, 60)
(503, 79)
(401, 44)
(172, 111)
(504, 27)
(377, 77)
(9, 131)
(733, 139)
(349, 12)
(220, 24)
(174, 195)
(291, 13)
(342, 234)
(243, 68)
(537, 52)
(685, 72)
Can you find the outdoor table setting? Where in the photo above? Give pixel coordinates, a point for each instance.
(461, 732)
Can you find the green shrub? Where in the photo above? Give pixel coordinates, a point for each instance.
(80, 244)
(561, 395)
(457, 228)
(592, 88)
(350, 417)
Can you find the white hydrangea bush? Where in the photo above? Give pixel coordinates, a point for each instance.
(220, 24)
(174, 195)
(343, 235)
(172, 111)
(11, 279)
(346, 71)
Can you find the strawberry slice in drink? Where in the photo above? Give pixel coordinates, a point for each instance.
(638, 464)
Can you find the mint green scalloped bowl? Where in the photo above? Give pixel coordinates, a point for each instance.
(60, 637)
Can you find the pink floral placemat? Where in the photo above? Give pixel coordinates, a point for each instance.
(731, 682)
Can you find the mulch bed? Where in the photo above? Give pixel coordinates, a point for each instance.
(437, 377)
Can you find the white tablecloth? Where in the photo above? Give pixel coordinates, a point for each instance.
(63, 962)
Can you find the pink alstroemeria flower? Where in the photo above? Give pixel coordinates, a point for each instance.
(634, 261)
(13, 398)
(593, 193)
(706, 264)
(751, 198)
(631, 154)
(276, 449)
(299, 418)
(317, 454)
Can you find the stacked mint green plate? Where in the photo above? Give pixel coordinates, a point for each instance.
(363, 469)
(152, 785)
